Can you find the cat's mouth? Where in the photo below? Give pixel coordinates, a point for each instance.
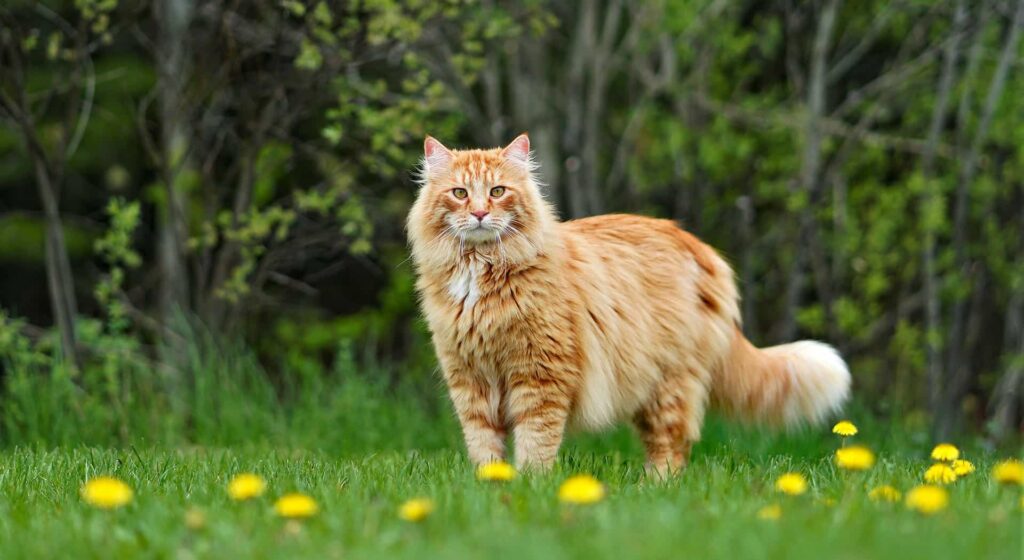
(480, 234)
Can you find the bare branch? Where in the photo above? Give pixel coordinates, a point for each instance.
(791, 120)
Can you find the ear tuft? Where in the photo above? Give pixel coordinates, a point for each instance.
(434, 153)
(518, 150)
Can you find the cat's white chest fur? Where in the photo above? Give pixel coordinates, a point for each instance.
(464, 285)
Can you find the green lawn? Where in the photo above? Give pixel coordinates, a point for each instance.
(710, 512)
(362, 439)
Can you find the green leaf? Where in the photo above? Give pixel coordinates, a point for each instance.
(309, 57)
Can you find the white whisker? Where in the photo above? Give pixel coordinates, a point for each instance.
(516, 231)
(501, 248)
(446, 232)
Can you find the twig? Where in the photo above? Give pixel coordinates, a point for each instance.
(789, 119)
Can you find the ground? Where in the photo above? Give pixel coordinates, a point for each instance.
(709, 512)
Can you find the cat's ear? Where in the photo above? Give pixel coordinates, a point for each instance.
(435, 154)
(518, 150)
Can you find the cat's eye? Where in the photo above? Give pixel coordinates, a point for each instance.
(497, 191)
(460, 193)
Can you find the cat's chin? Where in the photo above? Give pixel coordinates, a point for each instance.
(480, 236)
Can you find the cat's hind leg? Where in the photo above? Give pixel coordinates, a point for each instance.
(670, 422)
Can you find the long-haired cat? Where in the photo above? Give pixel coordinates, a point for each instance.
(541, 325)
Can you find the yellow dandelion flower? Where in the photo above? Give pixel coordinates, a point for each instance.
(1010, 471)
(884, 493)
(770, 512)
(498, 471)
(927, 499)
(845, 429)
(246, 486)
(106, 492)
(416, 510)
(793, 484)
(962, 467)
(855, 458)
(296, 505)
(581, 489)
(940, 473)
(945, 452)
(827, 502)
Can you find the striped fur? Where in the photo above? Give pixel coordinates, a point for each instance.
(541, 325)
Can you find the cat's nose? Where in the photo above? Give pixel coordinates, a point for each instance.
(480, 214)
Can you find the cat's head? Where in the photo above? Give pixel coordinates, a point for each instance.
(484, 200)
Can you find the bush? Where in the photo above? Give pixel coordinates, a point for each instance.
(222, 397)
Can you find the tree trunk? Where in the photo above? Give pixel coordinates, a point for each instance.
(747, 282)
(585, 41)
(48, 171)
(599, 72)
(811, 163)
(948, 417)
(929, 199)
(491, 79)
(527, 76)
(58, 266)
(174, 17)
(1008, 394)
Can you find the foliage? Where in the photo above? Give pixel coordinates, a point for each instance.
(120, 398)
(261, 157)
(115, 248)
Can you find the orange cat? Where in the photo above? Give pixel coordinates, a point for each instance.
(541, 325)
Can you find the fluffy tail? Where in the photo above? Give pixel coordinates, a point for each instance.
(789, 384)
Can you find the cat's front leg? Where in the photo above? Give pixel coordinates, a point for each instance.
(477, 402)
(539, 408)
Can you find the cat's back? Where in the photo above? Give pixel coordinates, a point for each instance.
(647, 263)
(639, 238)
(651, 294)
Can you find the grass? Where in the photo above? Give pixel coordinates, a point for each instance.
(710, 512)
(361, 440)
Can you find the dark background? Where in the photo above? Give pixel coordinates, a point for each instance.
(243, 169)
